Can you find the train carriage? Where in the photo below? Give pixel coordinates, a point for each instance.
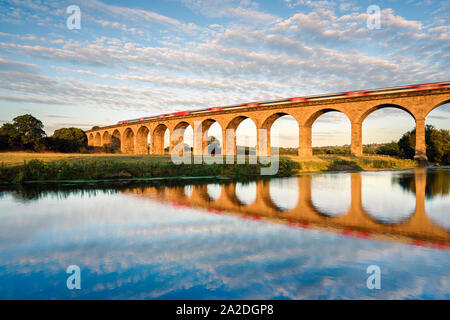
(358, 93)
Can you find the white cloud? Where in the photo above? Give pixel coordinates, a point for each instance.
(131, 14)
(250, 55)
(244, 10)
(16, 66)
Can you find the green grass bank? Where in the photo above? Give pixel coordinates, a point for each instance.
(80, 168)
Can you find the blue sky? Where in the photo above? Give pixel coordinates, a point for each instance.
(140, 58)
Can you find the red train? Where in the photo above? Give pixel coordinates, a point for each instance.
(359, 93)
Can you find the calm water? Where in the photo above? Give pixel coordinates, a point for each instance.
(308, 237)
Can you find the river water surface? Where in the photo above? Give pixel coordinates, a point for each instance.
(307, 237)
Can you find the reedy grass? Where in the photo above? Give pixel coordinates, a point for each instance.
(116, 169)
(128, 167)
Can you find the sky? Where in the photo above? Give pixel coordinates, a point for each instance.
(138, 58)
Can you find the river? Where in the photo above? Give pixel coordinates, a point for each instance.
(307, 237)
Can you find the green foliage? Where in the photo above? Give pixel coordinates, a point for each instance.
(84, 150)
(389, 149)
(438, 146)
(9, 137)
(67, 140)
(72, 134)
(4, 143)
(29, 129)
(370, 149)
(287, 151)
(108, 148)
(288, 167)
(407, 144)
(348, 163)
(344, 165)
(37, 170)
(26, 132)
(332, 150)
(60, 145)
(437, 143)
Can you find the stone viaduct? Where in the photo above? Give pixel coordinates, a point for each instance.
(417, 229)
(133, 137)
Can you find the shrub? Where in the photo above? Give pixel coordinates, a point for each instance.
(107, 148)
(389, 149)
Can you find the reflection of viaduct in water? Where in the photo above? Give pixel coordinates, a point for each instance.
(417, 229)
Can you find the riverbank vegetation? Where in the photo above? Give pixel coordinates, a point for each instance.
(45, 168)
(117, 169)
(350, 163)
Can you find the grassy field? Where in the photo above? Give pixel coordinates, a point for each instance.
(21, 167)
(350, 163)
(10, 159)
(314, 163)
(18, 168)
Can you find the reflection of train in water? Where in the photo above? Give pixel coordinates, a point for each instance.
(359, 93)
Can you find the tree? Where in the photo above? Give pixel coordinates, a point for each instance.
(73, 134)
(407, 144)
(30, 130)
(437, 143)
(3, 142)
(9, 137)
(95, 128)
(438, 146)
(26, 132)
(67, 140)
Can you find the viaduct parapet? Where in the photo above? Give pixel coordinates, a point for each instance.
(133, 138)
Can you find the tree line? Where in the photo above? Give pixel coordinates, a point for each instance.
(27, 133)
(437, 142)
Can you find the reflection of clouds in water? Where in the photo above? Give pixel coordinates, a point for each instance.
(438, 210)
(129, 248)
(385, 201)
(246, 192)
(284, 192)
(214, 191)
(330, 193)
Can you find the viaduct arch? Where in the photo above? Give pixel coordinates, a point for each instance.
(132, 136)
